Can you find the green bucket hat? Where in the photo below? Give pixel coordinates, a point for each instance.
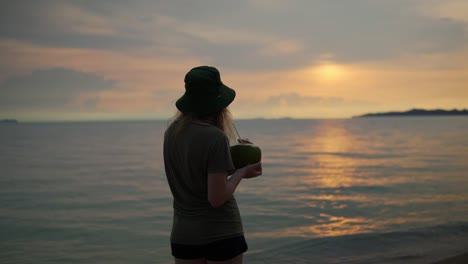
(204, 92)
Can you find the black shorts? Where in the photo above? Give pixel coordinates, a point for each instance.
(215, 251)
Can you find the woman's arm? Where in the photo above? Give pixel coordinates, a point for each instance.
(221, 189)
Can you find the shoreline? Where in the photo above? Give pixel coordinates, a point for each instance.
(457, 259)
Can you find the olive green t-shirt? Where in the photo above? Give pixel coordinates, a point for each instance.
(189, 155)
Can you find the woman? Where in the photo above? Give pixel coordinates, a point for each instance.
(207, 226)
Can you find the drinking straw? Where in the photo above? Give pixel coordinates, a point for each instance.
(237, 132)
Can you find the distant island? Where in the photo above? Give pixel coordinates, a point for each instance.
(420, 112)
(9, 121)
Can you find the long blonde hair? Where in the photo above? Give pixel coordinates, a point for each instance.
(222, 120)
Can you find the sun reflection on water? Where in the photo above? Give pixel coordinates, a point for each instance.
(324, 226)
(340, 177)
(332, 170)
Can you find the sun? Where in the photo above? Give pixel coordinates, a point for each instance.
(330, 72)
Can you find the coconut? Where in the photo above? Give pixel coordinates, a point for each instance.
(245, 154)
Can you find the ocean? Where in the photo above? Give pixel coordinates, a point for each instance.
(362, 190)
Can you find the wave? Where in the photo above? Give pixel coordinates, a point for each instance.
(419, 245)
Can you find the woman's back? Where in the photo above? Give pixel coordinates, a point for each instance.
(207, 225)
(190, 154)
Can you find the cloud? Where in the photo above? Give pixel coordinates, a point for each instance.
(146, 81)
(91, 103)
(51, 89)
(65, 24)
(301, 106)
(453, 9)
(399, 53)
(246, 34)
(352, 31)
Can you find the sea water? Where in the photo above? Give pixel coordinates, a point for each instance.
(366, 190)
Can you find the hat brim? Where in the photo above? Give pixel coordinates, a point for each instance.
(206, 105)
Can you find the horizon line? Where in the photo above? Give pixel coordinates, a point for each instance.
(161, 119)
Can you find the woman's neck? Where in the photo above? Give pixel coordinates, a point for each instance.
(205, 120)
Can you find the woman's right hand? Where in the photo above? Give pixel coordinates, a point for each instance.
(251, 171)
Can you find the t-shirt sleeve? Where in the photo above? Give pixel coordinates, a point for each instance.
(219, 157)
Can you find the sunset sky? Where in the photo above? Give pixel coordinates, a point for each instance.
(122, 59)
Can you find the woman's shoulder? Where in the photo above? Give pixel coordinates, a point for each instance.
(194, 128)
(207, 129)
